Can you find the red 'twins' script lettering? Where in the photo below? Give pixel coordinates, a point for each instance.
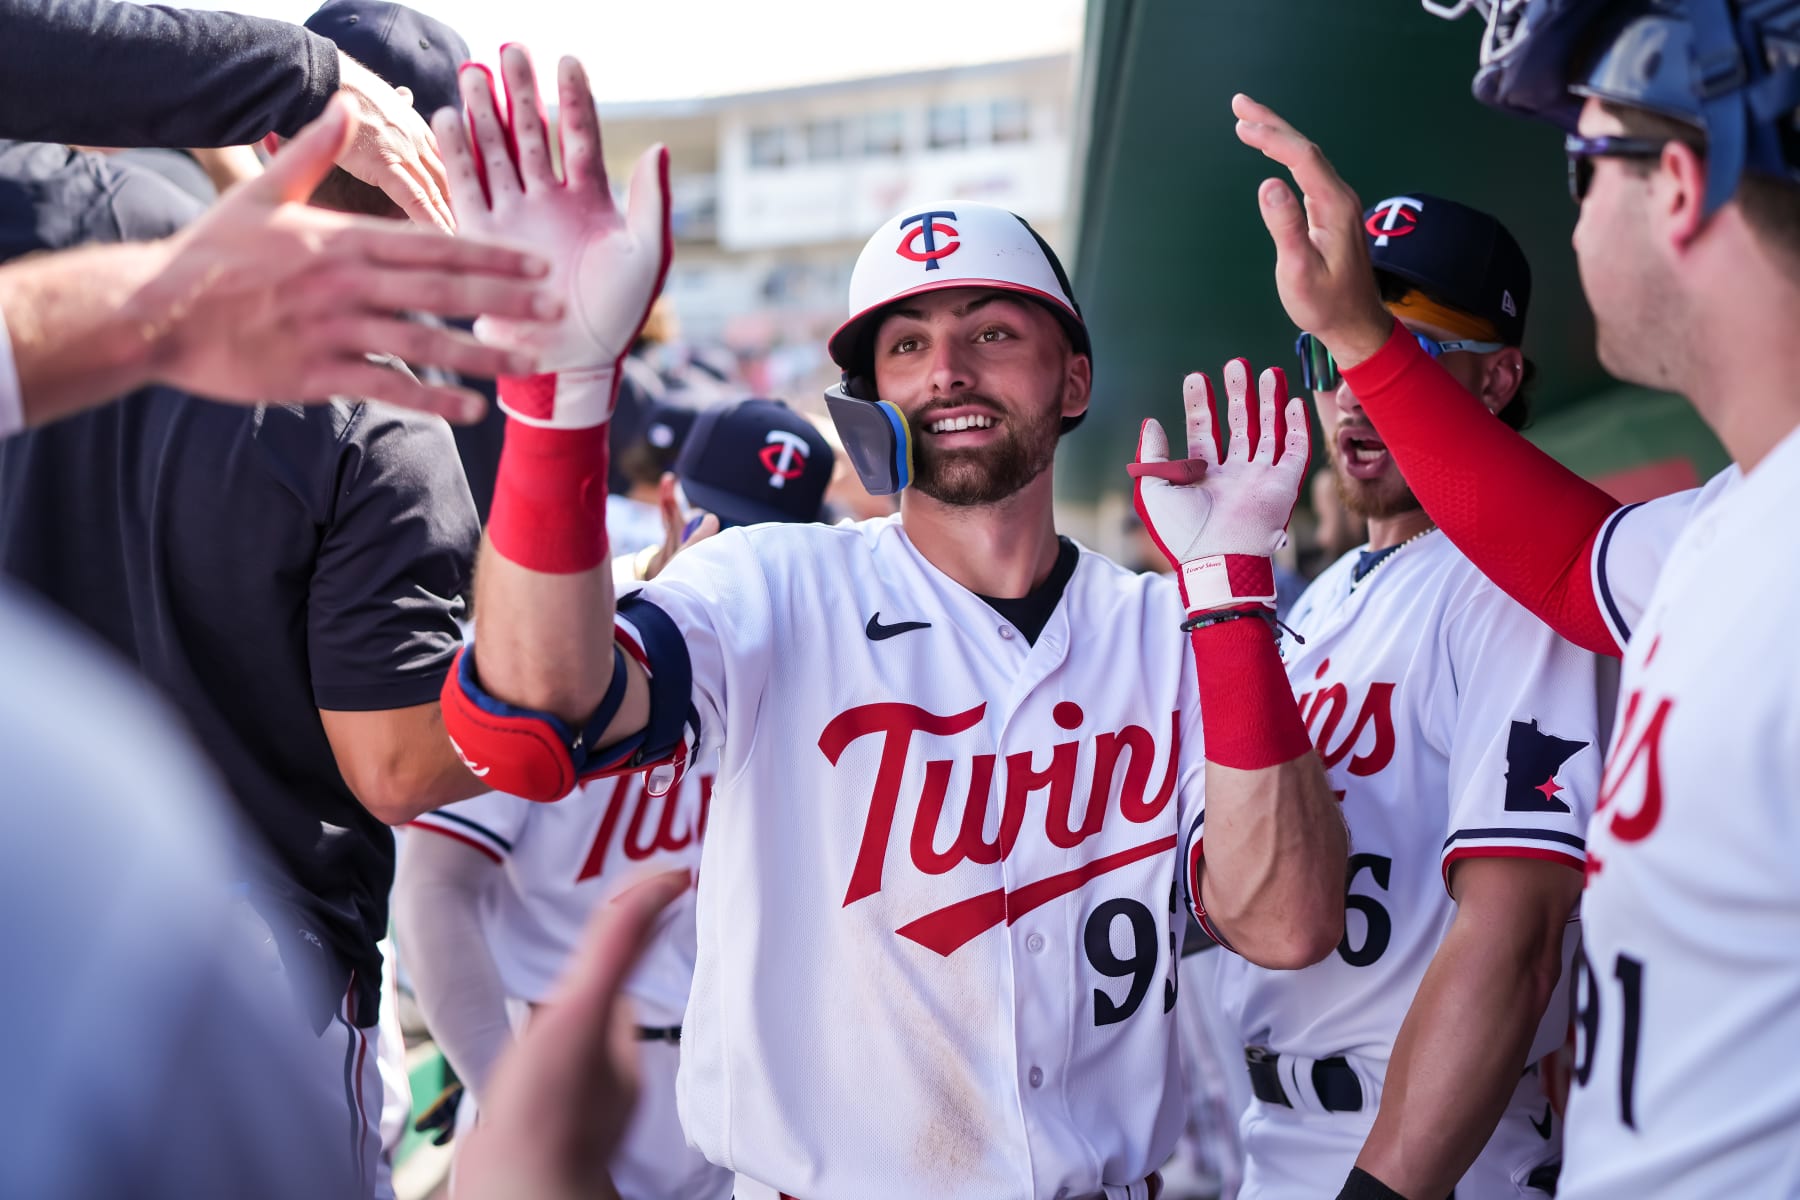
(954, 925)
(1327, 708)
(1636, 747)
(642, 840)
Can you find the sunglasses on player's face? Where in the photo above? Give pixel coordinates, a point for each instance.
(1582, 152)
(1319, 373)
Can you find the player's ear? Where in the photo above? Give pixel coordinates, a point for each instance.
(1078, 385)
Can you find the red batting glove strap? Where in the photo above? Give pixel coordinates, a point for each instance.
(1227, 581)
(549, 511)
(1247, 709)
(1525, 520)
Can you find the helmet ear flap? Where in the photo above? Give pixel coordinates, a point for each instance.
(874, 433)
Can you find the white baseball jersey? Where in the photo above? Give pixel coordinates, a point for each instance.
(935, 947)
(1452, 724)
(1688, 1017)
(563, 860)
(1635, 542)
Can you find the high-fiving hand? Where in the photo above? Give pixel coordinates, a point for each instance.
(1322, 268)
(1218, 520)
(607, 265)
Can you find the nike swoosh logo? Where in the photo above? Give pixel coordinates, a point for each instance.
(1543, 1130)
(880, 633)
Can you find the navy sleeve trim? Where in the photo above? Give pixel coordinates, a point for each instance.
(478, 827)
(1539, 835)
(1620, 628)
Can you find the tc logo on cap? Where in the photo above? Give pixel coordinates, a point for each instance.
(929, 231)
(1394, 217)
(784, 456)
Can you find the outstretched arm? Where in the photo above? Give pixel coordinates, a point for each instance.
(1267, 878)
(546, 687)
(1529, 523)
(262, 299)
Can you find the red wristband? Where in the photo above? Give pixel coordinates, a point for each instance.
(1247, 709)
(549, 511)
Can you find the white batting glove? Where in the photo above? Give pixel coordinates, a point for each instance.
(607, 266)
(1220, 521)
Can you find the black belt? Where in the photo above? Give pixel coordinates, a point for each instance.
(666, 1033)
(1338, 1087)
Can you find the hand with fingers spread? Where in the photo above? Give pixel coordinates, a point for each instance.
(1322, 269)
(608, 265)
(1218, 520)
(266, 299)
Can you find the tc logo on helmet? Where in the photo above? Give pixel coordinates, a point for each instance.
(1393, 217)
(784, 456)
(929, 231)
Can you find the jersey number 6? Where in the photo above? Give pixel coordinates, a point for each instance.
(1378, 927)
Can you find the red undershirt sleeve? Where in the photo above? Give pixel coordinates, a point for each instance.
(1526, 521)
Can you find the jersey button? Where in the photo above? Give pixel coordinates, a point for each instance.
(1035, 1077)
(1035, 943)
(1006, 632)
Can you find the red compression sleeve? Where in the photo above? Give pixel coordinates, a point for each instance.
(1247, 709)
(1528, 522)
(549, 511)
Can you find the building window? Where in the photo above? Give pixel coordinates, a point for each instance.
(768, 147)
(947, 127)
(825, 140)
(1012, 120)
(884, 134)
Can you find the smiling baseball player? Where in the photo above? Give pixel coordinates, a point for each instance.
(1461, 734)
(957, 752)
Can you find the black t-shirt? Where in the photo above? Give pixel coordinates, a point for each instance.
(259, 564)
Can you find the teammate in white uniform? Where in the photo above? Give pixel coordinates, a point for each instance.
(1461, 734)
(957, 753)
(1689, 994)
(559, 862)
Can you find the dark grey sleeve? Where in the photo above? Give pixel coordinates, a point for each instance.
(113, 74)
(396, 558)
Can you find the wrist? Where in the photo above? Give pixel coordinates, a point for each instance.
(141, 339)
(1215, 582)
(1247, 710)
(549, 509)
(561, 400)
(1355, 344)
(1363, 1186)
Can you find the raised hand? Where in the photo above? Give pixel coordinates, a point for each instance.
(608, 266)
(1218, 520)
(1322, 269)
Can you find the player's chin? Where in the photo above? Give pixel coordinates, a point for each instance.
(1385, 495)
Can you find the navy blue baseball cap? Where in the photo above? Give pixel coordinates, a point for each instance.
(753, 462)
(402, 46)
(1459, 255)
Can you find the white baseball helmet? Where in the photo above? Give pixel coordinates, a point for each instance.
(951, 245)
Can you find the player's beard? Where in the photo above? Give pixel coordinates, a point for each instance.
(978, 475)
(1375, 499)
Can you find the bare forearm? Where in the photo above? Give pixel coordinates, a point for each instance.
(1275, 852)
(544, 641)
(81, 330)
(1459, 1054)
